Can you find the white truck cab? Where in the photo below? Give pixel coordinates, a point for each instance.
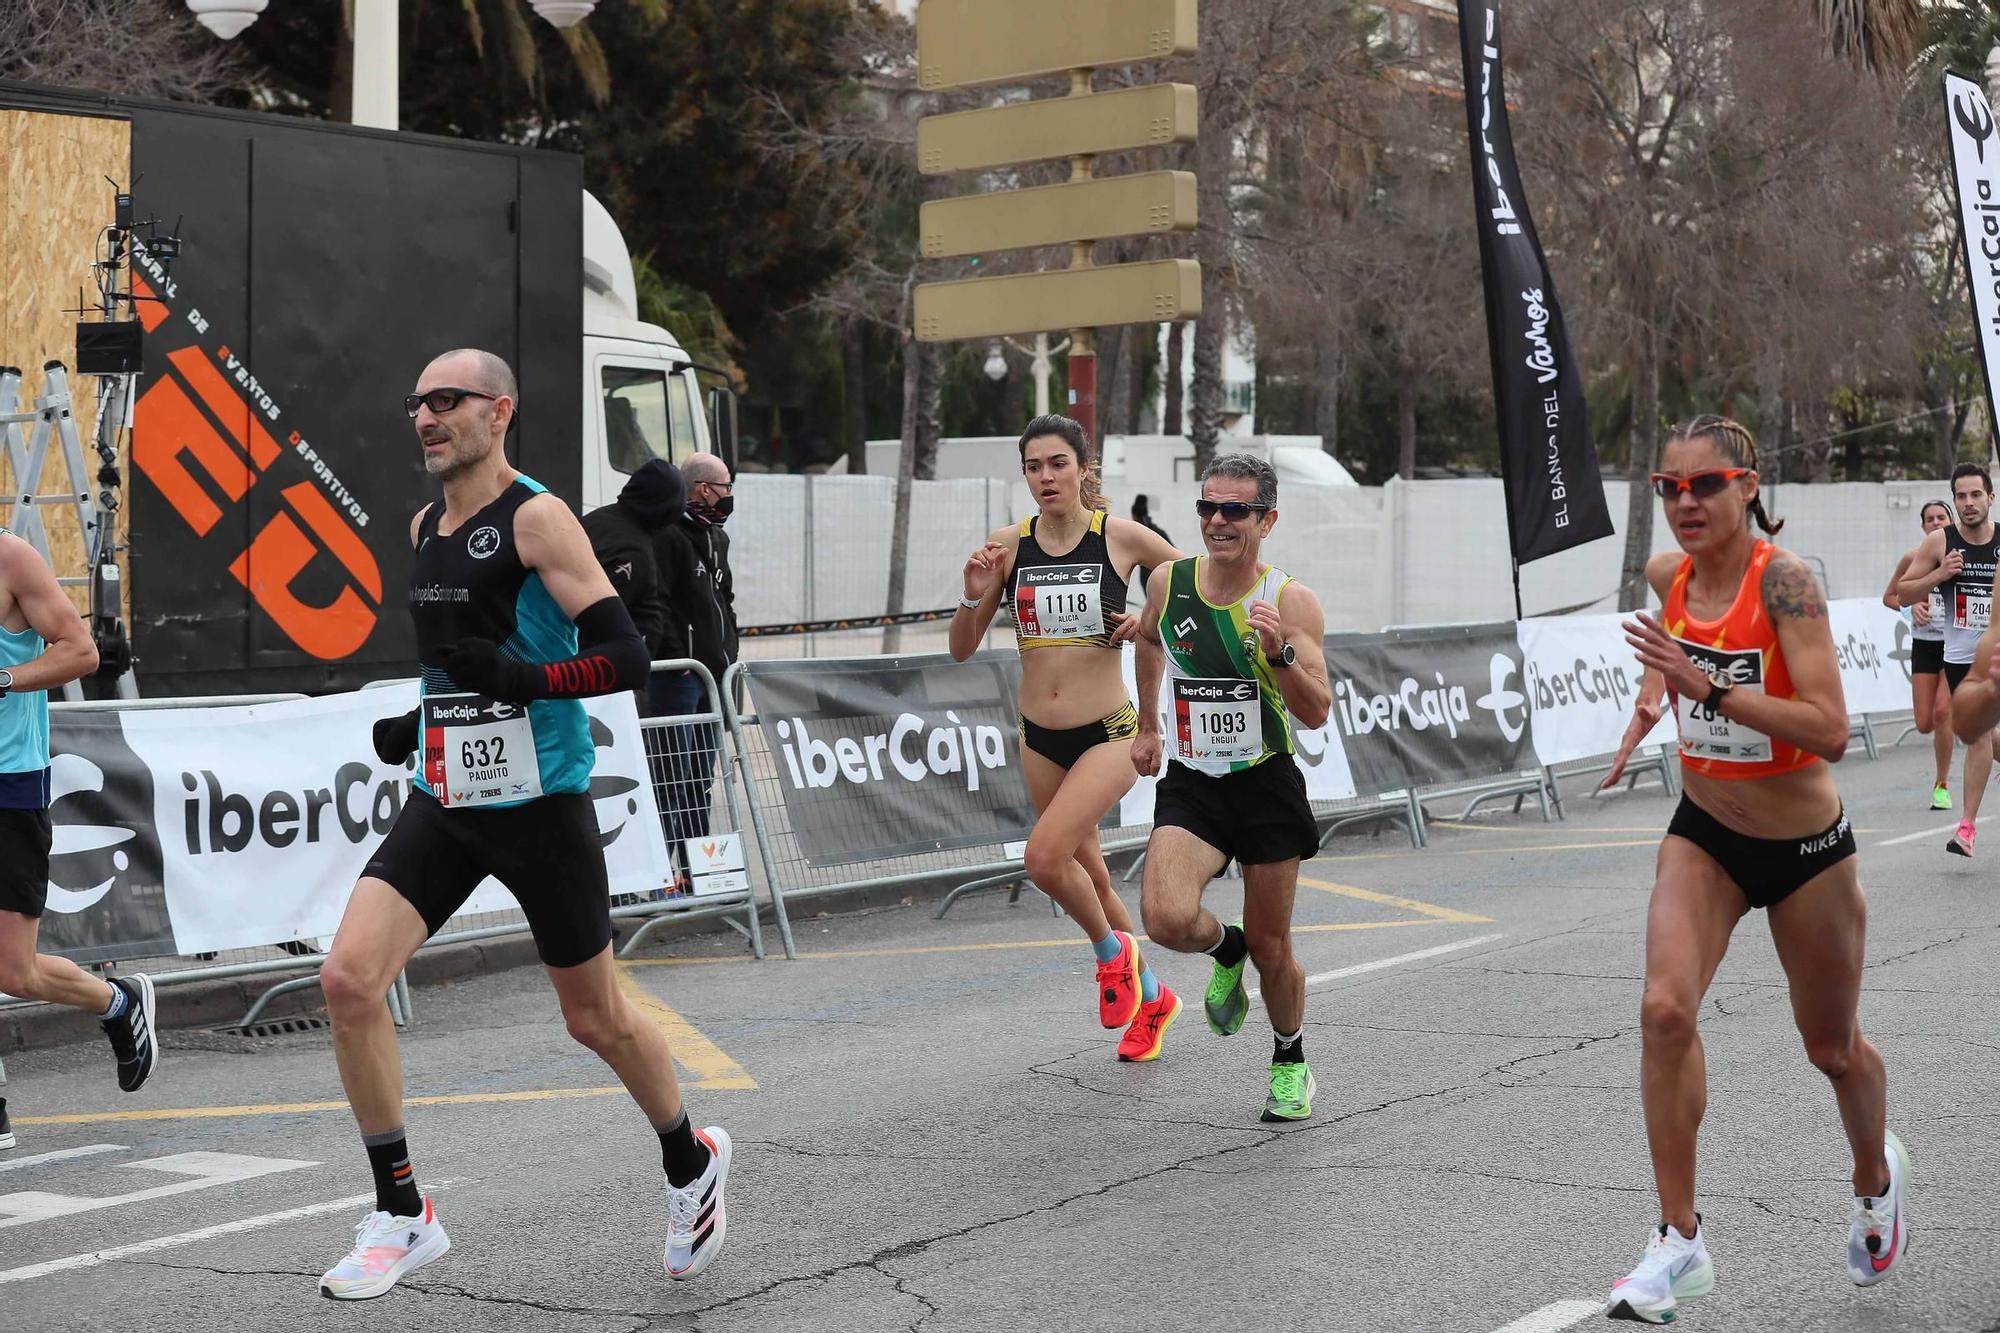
(642, 395)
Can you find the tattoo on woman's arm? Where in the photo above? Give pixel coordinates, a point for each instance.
(1791, 592)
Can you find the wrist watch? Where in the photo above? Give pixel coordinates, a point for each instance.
(1285, 658)
(6, 682)
(1719, 685)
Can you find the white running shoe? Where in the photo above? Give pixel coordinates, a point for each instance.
(385, 1248)
(1674, 1267)
(696, 1222)
(1880, 1232)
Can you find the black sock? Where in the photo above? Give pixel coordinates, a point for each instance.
(1230, 950)
(684, 1156)
(1288, 1050)
(395, 1179)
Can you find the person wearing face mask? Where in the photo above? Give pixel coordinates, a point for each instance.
(1742, 652)
(692, 554)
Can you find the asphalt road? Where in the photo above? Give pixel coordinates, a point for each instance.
(934, 1134)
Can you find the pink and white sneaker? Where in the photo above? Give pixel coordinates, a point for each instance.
(1961, 841)
(385, 1248)
(1879, 1235)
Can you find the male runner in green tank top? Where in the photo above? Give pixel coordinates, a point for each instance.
(1237, 644)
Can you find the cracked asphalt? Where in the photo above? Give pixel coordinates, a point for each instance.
(940, 1139)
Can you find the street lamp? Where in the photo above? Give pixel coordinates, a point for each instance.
(226, 18)
(996, 364)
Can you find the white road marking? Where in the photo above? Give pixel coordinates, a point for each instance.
(182, 1238)
(1553, 1318)
(1912, 837)
(90, 1150)
(206, 1169)
(1401, 958)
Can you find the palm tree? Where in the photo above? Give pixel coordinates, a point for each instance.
(1880, 36)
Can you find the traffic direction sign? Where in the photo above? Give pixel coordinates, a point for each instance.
(963, 42)
(1161, 291)
(1152, 202)
(1005, 136)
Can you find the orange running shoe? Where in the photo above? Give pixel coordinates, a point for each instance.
(1118, 984)
(1149, 1030)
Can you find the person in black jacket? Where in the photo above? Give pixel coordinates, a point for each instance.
(693, 554)
(621, 536)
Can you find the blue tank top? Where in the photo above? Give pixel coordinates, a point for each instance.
(471, 582)
(24, 728)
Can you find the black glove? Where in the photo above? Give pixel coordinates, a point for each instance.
(478, 665)
(396, 737)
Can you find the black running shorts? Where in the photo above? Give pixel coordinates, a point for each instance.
(1257, 816)
(1926, 656)
(24, 861)
(1955, 674)
(1768, 870)
(546, 852)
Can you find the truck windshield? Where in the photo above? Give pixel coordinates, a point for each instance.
(647, 414)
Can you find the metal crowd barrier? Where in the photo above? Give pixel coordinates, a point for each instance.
(693, 778)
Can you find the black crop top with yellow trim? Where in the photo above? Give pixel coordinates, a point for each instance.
(1060, 601)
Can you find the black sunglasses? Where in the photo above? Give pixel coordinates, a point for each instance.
(1233, 510)
(440, 401)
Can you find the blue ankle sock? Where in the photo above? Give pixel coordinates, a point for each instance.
(1149, 985)
(120, 1001)
(1107, 948)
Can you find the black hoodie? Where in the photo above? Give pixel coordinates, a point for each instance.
(621, 536)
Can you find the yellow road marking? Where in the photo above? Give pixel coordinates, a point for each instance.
(304, 1108)
(1471, 826)
(1391, 900)
(911, 951)
(695, 1053)
(1512, 850)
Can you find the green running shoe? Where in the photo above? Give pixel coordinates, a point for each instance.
(1292, 1091)
(1940, 798)
(1224, 1002)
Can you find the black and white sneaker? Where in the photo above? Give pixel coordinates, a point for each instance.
(696, 1222)
(6, 1129)
(131, 1033)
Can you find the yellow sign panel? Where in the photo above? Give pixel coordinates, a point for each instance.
(1152, 202)
(962, 42)
(1080, 298)
(1005, 136)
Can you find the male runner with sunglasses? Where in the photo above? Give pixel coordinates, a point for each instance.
(516, 624)
(1238, 644)
(1959, 559)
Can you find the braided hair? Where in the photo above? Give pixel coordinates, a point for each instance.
(1735, 442)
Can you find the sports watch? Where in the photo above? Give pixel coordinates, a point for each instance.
(1287, 657)
(6, 681)
(1719, 685)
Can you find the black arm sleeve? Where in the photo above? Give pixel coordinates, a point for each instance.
(610, 656)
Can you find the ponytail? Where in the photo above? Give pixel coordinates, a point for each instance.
(1733, 439)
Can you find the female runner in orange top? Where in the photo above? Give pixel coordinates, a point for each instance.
(1743, 648)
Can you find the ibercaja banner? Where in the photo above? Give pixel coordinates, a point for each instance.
(890, 756)
(193, 830)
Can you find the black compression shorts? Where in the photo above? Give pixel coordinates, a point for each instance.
(1926, 656)
(24, 861)
(546, 852)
